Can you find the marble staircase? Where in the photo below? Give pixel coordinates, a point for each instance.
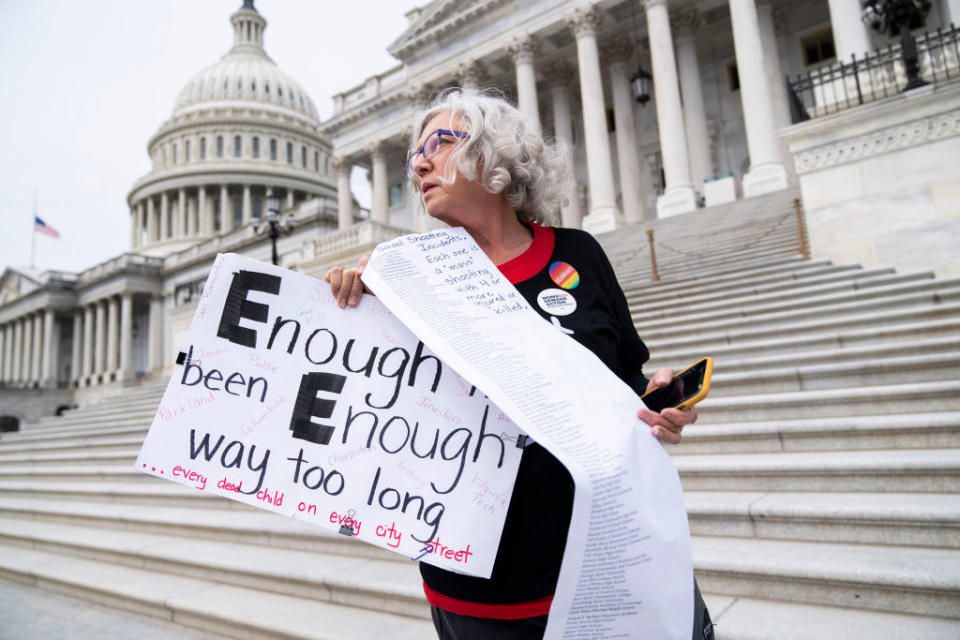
(821, 481)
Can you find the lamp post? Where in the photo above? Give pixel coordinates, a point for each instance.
(273, 225)
(641, 86)
(898, 17)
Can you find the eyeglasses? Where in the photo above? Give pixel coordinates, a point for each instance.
(431, 146)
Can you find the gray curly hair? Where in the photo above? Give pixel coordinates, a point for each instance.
(505, 153)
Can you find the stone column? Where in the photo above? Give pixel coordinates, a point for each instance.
(628, 156)
(126, 336)
(36, 360)
(142, 223)
(344, 198)
(16, 366)
(27, 360)
(678, 196)
(113, 334)
(180, 221)
(76, 355)
(203, 211)
(134, 223)
(247, 205)
(560, 78)
(192, 215)
(3, 353)
(686, 23)
(88, 341)
(471, 74)
(775, 78)
(155, 334)
(100, 341)
(850, 35)
(226, 211)
(153, 225)
(48, 372)
(523, 48)
(164, 216)
(289, 198)
(767, 172)
(381, 203)
(604, 215)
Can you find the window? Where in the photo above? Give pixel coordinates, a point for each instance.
(611, 121)
(303, 157)
(266, 88)
(316, 161)
(217, 215)
(203, 148)
(818, 47)
(289, 153)
(273, 148)
(219, 146)
(237, 146)
(174, 153)
(256, 147)
(396, 194)
(186, 151)
(733, 76)
(253, 85)
(239, 84)
(280, 91)
(237, 212)
(257, 208)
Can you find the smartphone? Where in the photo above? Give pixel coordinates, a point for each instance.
(687, 388)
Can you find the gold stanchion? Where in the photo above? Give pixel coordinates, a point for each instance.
(654, 274)
(798, 208)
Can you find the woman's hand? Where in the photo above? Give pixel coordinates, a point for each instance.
(346, 285)
(666, 426)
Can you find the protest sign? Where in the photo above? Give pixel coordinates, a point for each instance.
(339, 417)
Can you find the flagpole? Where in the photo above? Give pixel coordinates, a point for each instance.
(33, 232)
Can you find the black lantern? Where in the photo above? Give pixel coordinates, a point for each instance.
(641, 86)
(897, 18)
(273, 225)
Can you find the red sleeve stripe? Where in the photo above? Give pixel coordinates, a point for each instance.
(516, 611)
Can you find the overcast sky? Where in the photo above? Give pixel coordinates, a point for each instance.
(85, 83)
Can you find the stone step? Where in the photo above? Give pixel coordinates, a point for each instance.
(679, 265)
(910, 519)
(238, 612)
(78, 457)
(240, 524)
(100, 414)
(641, 286)
(845, 372)
(927, 292)
(80, 435)
(739, 618)
(882, 471)
(361, 582)
(918, 338)
(724, 303)
(939, 430)
(847, 327)
(160, 493)
(922, 581)
(742, 279)
(829, 403)
(112, 472)
(93, 441)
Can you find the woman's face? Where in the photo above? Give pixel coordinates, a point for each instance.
(450, 202)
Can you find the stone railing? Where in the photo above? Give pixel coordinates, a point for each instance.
(364, 234)
(371, 88)
(123, 262)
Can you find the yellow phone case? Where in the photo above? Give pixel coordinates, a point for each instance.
(704, 389)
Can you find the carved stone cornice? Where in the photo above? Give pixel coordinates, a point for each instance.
(341, 164)
(420, 95)
(377, 150)
(875, 143)
(471, 72)
(523, 48)
(584, 21)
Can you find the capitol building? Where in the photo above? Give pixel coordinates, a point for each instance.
(686, 118)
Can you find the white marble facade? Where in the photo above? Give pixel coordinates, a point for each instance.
(242, 130)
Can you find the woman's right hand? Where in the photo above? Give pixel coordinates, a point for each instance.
(346, 285)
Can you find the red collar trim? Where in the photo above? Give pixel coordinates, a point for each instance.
(534, 259)
(516, 611)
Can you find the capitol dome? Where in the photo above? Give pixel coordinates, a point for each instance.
(241, 130)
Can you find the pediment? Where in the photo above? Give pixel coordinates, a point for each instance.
(15, 283)
(437, 19)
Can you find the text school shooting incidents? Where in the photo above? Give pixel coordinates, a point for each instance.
(338, 417)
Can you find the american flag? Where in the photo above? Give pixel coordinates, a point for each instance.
(42, 227)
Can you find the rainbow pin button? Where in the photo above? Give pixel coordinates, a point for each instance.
(564, 275)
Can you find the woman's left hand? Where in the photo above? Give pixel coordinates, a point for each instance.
(666, 426)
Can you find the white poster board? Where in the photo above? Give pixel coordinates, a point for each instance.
(337, 417)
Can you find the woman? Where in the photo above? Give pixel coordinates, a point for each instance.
(481, 164)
